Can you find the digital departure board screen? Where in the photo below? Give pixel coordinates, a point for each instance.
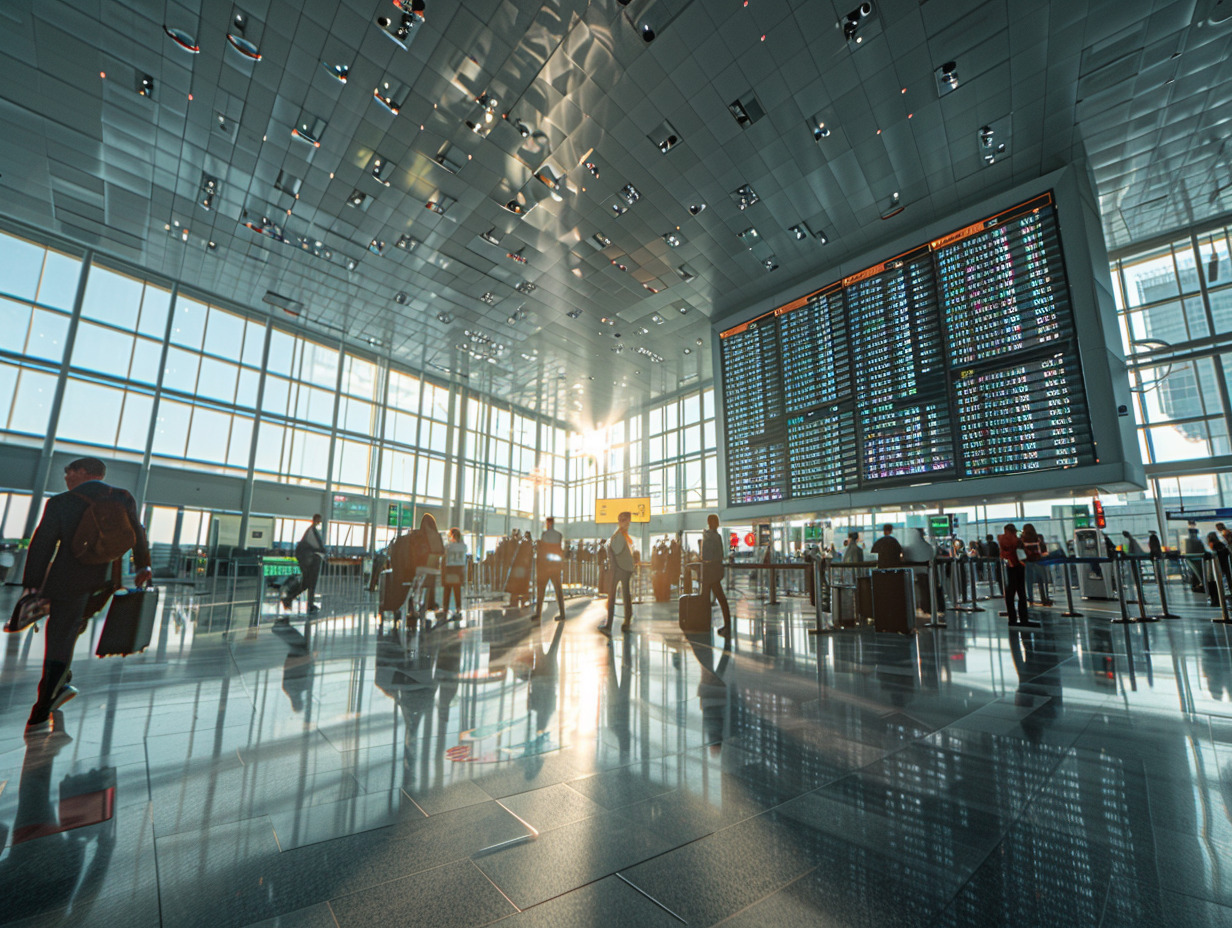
(956, 359)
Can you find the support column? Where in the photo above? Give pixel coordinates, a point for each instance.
(459, 507)
(43, 471)
(326, 507)
(249, 477)
(143, 479)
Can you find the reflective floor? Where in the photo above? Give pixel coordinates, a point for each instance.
(342, 772)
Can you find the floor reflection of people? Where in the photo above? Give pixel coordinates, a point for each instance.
(1037, 662)
(711, 690)
(297, 669)
(544, 680)
(1217, 663)
(49, 866)
(619, 690)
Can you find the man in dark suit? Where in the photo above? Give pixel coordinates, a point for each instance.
(310, 552)
(69, 585)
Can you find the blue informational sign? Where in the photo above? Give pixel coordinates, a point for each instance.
(1198, 515)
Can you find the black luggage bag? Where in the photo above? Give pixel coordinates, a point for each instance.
(893, 601)
(292, 586)
(129, 623)
(694, 613)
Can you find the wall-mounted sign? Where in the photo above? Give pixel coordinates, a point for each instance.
(606, 510)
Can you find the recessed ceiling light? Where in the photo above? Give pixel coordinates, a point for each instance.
(684, 309)
(309, 129)
(357, 198)
(688, 351)
(377, 247)
(406, 242)
(400, 298)
(770, 263)
(183, 39)
(398, 32)
(745, 196)
(749, 236)
(696, 208)
(338, 72)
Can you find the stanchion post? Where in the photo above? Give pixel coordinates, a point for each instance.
(1135, 568)
(975, 606)
(1161, 582)
(1069, 612)
(1004, 581)
(936, 621)
(1116, 572)
(774, 586)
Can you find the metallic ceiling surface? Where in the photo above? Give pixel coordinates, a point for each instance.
(554, 108)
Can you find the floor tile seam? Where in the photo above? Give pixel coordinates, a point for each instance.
(620, 876)
(332, 914)
(517, 909)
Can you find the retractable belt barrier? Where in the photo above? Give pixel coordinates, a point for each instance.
(823, 568)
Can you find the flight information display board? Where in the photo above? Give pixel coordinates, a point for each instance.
(956, 359)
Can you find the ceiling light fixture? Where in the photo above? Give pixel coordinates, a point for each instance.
(183, 39)
(853, 21)
(406, 242)
(574, 314)
(696, 208)
(390, 94)
(800, 230)
(145, 86)
(400, 298)
(592, 168)
(309, 129)
(673, 239)
(381, 168)
(338, 72)
(377, 247)
(400, 33)
(209, 190)
(745, 196)
(351, 264)
(357, 198)
(492, 237)
(770, 263)
(444, 317)
(894, 207)
(236, 36)
(947, 78)
(517, 256)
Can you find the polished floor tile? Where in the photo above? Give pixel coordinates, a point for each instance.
(344, 771)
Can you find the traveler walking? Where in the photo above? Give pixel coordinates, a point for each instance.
(713, 571)
(621, 546)
(549, 561)
(310, 552)
(74, 563)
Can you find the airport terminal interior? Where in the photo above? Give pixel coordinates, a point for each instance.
(830, 271)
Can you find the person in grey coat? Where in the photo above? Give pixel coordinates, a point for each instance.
(713, 571)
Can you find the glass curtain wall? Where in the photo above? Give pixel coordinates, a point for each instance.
(196, 385)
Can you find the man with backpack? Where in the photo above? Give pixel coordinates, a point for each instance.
(74, 562)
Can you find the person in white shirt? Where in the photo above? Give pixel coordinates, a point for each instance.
(621, 546)
(454, 572)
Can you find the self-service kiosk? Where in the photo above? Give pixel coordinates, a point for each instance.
(1095, 581)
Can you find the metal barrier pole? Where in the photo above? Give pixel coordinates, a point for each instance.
(935, 622)
(1124, 619)
(1069, 612)
(821, 569)
(836, 606)
(975, 606)
(1004, 580)
(1136, 570)
(774, 586)
(1160, 581)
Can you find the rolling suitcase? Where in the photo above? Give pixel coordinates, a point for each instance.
(129, 623)
(694, 613)
(893, 601)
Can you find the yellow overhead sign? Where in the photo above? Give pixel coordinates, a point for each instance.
(606, 510)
